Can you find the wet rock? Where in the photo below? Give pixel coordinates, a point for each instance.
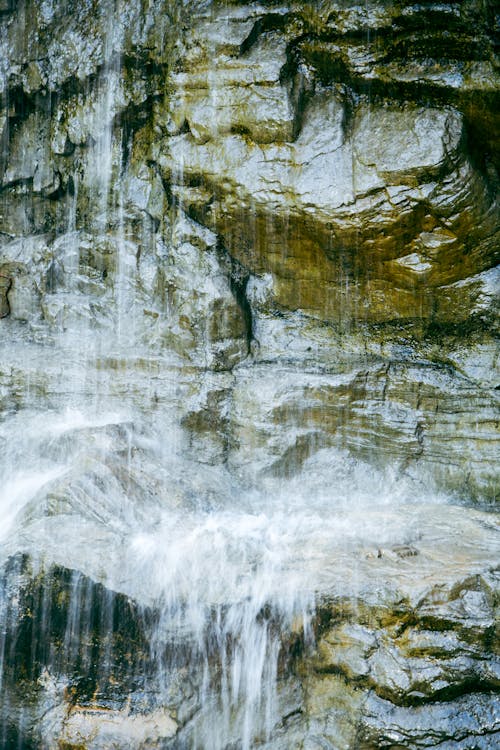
(234, 97)
(78, 662)
(405, 411)
(356, 214)
(5, 285)
(29, 154)
(204, 320)
(340, 217)
(471, 721)
(404, 680)
(405, 551)
(269, 235)
(104, 728)
(67, 642)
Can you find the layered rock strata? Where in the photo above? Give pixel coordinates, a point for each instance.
(243, 237)
(404, 652)
(311, 185)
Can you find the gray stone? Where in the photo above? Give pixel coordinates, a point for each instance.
(248, 252)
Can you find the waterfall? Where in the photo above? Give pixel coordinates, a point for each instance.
(248, 383)
(226, 569)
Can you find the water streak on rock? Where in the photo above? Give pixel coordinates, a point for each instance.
(248, 375)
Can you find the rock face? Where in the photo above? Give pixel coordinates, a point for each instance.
(309, 186)
(404, 652)
(241, 244)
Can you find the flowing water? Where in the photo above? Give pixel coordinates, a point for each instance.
(97, 478)
(232, 572)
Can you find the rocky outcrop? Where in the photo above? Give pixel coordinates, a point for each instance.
(403, 653)
(416, 680)
(249, 250)
(377, 196)
(300, 185)
(5, 284)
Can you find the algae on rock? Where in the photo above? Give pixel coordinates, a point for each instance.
(247, 237)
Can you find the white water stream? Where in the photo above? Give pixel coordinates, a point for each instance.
(93, 482)
(233, 571)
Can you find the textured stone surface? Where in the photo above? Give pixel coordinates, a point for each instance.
(262, 188)
(272, 230)
(364, 193)
(405, 647)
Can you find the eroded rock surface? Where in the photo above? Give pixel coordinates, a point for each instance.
(404, 649)
(306, 184)
(237, 242)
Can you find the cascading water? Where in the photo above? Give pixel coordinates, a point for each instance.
(228, 571)
(217, 529)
